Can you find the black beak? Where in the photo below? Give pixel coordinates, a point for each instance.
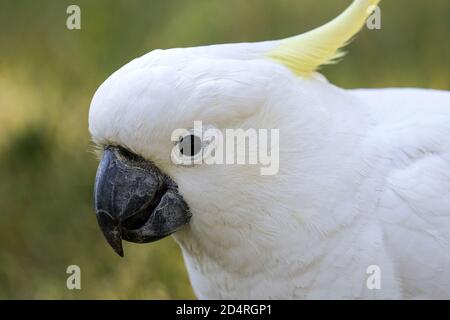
(135, 201)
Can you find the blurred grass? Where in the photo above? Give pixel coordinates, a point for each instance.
(48, 75)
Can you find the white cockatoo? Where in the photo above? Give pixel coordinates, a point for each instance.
(359, 207)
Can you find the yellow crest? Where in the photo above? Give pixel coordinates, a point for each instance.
(304, 53)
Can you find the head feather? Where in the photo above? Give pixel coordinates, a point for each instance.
(304, 53)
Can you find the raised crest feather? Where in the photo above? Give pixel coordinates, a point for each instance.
(304, 53)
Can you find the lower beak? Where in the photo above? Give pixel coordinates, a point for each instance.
(135, 201)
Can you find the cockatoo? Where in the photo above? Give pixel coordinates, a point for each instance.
(358, 209)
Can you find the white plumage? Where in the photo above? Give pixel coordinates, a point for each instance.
(364, 175)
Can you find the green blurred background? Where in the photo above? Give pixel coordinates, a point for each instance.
(48, 75)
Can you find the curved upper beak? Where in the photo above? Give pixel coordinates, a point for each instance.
(135, 201)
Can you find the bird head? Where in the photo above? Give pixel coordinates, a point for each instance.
(147, 110)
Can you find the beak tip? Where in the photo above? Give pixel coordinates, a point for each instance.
(111, 231)
(116, 244)
(119, 252)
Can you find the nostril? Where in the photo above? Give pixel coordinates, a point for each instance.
(138, 219)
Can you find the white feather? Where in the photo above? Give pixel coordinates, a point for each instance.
(364, 175)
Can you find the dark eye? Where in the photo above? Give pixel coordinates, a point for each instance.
(190, 145)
